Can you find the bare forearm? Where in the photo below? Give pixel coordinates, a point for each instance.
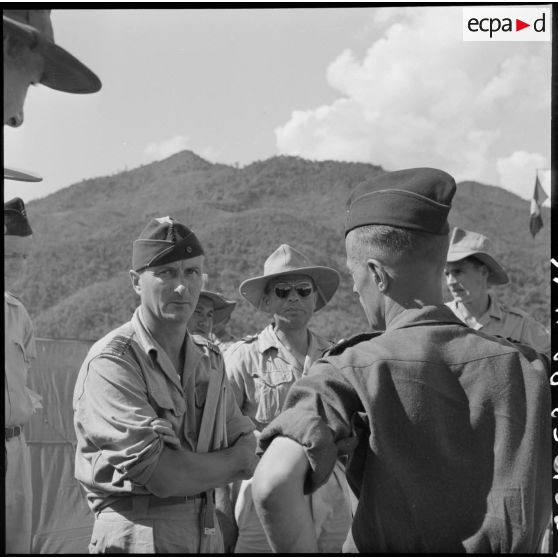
(185, 473)
(278, 495)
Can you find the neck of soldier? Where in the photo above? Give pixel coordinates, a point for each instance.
(171, 336)
(475, 308)
(405, 294)
(295, 339)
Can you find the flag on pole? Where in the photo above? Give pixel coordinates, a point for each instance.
(539, 197)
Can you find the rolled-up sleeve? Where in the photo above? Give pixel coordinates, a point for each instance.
(112, 418)
(318, 415)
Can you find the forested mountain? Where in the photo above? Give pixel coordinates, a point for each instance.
(77, 285)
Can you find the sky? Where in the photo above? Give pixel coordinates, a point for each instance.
(392, 86)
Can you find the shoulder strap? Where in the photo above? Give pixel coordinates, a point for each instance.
(210, 413)
(345, 344)
(210, 410)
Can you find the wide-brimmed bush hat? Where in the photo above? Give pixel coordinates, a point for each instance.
(21, 175)
(222, 307)
(464, 244)
(286, 260)
(62, 70)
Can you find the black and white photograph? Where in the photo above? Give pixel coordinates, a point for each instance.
(277, 279)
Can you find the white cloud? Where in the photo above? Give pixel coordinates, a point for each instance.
(421, 96)
(518, 172)
(167, 148)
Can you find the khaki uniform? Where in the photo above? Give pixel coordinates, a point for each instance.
(20, 403)
(509, 323)
(261, 372)
(126, 381)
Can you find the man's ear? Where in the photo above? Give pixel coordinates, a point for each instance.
(265, 301)
(379, 274)
(135, 276)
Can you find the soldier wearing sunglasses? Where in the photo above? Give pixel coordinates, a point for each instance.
(263, 367)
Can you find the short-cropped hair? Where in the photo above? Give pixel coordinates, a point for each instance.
(399, 244)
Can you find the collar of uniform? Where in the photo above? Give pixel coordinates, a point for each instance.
(152, 348)
(11, 299)
(431, 314)
(267, 339)
(456, 308)
(145, 339)
(494, 311)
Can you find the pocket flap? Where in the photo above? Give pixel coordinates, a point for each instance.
(276, 377)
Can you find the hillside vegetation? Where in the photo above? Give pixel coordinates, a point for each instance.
(78, 286)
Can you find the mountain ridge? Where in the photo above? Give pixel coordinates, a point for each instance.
(77, 284)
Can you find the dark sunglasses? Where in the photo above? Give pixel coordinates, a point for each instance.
(282, 290)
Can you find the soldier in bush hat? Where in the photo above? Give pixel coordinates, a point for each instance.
(212, 308)
(157, 425)
(470, 271)
(262, 368)
(20, 401)
(446, 429)
(31, 56)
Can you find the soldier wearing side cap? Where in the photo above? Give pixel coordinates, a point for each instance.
(447, 429)
(470, 272)
(20, 401)
(157, 425)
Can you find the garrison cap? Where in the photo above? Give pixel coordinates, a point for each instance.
(17, 231)
(15, 219)
(417, 199)
(163, 241)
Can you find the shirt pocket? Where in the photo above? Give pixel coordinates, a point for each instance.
(166, 399)
(272, 387)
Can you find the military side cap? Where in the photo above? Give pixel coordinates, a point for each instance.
(417, 199)
(17, 231)
(15, 219)
(62, 70)
(163, 241)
